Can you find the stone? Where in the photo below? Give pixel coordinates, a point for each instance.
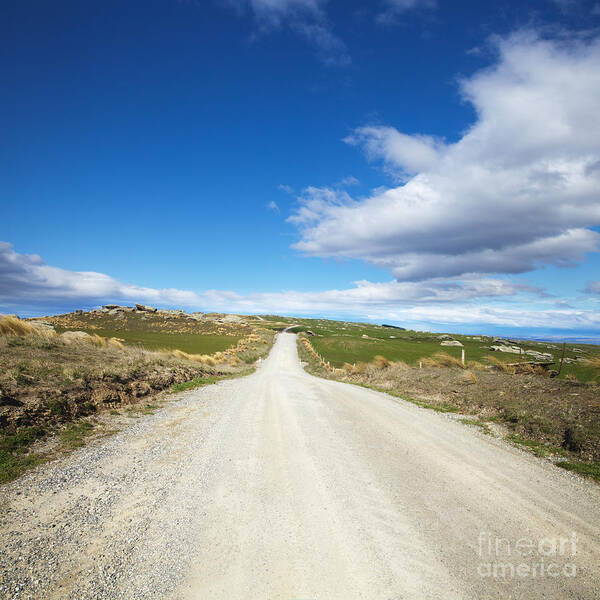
(144, 308)
(73, 336)
(451, 343)
(509, 349)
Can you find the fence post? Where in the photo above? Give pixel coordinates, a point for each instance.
(562, 358)
(462, 358)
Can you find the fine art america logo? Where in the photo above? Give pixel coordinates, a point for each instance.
(502, 558)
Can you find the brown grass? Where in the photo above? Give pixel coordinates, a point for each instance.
(441, 360)
(498, 365)
(475, 365)
(12, 326)
(469, 377)
(381, 362)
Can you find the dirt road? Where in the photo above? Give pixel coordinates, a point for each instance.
(285, 486)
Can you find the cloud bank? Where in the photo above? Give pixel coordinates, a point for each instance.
(518, 191)
(25, 279)
(28, 284)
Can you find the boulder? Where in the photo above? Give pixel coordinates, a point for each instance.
(111, 306)
(144, 308)
(539, 355)
(451, 343)
(509, 349)
(74, 336)
(232, 319)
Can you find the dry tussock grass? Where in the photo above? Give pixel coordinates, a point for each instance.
(441, 359)
(500, 366)
(102, 342)
(381, 362)
(475, 365)
(594, 361)
(469, 377)
(12, 326)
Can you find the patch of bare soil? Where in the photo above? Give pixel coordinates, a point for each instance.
(49, 381)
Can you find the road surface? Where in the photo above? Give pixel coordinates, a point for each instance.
(285, 486)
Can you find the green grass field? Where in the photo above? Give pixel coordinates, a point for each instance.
(154, 340)
(340, 342)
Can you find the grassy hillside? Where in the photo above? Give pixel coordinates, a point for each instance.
(554, 417)
(342, 342)
(155, 331)
(58, 384)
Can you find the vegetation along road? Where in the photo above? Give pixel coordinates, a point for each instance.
(282, 485)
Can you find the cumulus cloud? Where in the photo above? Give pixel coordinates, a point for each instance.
(28, 284)
(306, 18)
(410, 303)
(273, 206)
(409, 153)
(518, 191)
(25, 279)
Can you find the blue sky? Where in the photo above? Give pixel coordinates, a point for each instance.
(265, 156)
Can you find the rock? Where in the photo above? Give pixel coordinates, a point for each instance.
(451, 343)
(539, 355)
(444, 336)
(79, 312)
(144, 308)
(231, 319)
(42, 325)
(111, 306)
(73, 336)
(509, 349)
(170, 312)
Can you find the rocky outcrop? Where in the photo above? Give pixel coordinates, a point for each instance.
(144, 308)
(451, 343)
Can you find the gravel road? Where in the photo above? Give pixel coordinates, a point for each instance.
(285, 486)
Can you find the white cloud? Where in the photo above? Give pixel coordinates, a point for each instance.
(306, 18)
(519, 190)
(25, 279)
(285, 188)
(27, 284)
(410, 153)
(410, 303)
(273, 206)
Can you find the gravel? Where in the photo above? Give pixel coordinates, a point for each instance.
(284, 486)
